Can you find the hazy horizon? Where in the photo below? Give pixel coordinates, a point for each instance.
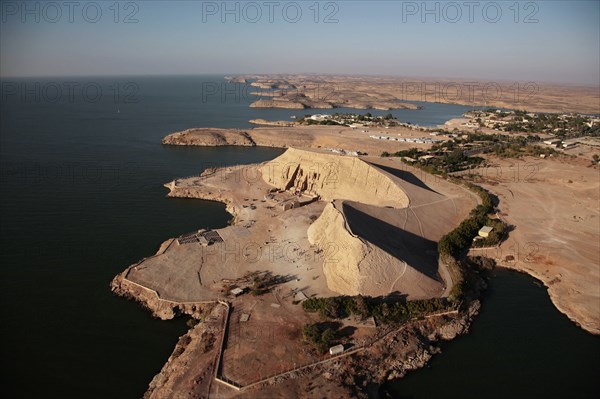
(233, 74)
(546, 42)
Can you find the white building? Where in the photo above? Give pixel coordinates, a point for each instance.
(336, 350)
(485, 231)
(319, 117)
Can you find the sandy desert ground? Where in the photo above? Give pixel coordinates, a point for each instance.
(383, 92)
(374, 201)
(318, 137)
(553, 204)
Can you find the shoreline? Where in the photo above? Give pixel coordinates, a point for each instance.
(167, 304)
(348, 372)
(344, 90)
(555, 299)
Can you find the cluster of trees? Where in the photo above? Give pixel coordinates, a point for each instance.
(411, 153)
(321, 335)
(338, 307)
(467, 274)
(573, 126)
(326, 122)
(399, 312)
(262, 283)
(361, 118)
(495, 237)
(459, 239)
(384, 310)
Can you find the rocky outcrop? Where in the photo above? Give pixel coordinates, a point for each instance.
(210, 137)
(406, 349)
(333, 177)
(160, 308)
(189, 371)
(264, 122)
(276, 103)
(355, 262)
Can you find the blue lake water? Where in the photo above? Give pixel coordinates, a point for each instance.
(82, 198)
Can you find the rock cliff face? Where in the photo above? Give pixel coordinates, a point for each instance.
(333, 177)
(342, 252)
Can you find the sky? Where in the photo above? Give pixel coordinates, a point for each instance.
(541, 41)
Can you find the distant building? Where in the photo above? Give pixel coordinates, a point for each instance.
(336, 350)
(244, 317)
(485, 231)
(552, 142)
(236, 291)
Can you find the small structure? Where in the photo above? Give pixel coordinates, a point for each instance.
(244, 317)
(552, 142)
(485, 231)
(336, 350)
(236, 291)
(300, 296)
(319, 117)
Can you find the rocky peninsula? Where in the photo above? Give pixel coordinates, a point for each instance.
(314, 225)
(318, 224)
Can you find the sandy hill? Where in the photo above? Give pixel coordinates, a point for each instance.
(380, 227)
(332, 176)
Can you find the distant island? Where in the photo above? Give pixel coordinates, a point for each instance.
(391, 92)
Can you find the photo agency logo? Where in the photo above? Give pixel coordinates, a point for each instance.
(253, 12)
(272, 252)
(54, 91)
(512, 252)
(468, 92)
(326, 172)
(242, 92)
(53, 12)
(452, 12)
(517, 173)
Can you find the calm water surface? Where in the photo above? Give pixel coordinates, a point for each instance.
(520, 346)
